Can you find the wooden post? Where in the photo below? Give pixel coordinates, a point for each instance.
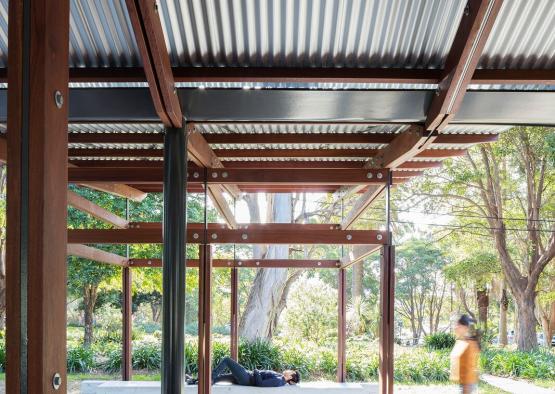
(234, 340)
(126, 365)
(387, 299)
(38, 76)
(205, 321)
(341, 326)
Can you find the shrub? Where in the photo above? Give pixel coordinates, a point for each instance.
(112, 360)
(539, 364)
(80, 359)
(259, 354)
(191, 358)
(421, 366)
(439, 341)
(147, 355)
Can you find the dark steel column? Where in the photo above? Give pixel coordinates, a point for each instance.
(205, 320)
(234, 340)
(126, 366)
(341, 326)
(387, 302)
(173, 322)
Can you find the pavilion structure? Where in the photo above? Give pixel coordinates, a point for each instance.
(133, 97)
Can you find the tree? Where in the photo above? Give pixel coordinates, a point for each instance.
(474, 272)
(505, 191)
(420, 288)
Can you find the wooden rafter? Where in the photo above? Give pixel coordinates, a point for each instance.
(82, 204)
(150, 40)
(357, 254)
(90, 253)
(466, 50)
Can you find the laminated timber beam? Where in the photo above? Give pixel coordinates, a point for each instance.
(282, 164)
(233, 176)
(307, 75)
(466, 50)
(273, 138)
(294, 234)
(84, 205)
(90, 253)
(357, 254)
(263, 153)
(245, 263)
(156, 62)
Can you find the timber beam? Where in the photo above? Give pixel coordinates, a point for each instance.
(245, 263)
(234, 176)
(306, 75)
(294, 235)
(272, 138)
(84, 205)
(156, 61)
(90, 253)
(357, 254)
(466, 50)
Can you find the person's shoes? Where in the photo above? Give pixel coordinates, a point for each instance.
(190, 380)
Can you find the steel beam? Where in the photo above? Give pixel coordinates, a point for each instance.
(173, 301)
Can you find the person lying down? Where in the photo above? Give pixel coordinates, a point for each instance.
(241, 376)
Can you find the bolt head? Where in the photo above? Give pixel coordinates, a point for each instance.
(58, 99)
(195, 236)
(379, 236)
(239, 263)
(56, 381)
(214, 175)
(319, 263)
(258, 263)
(224, 174)
(369, 175)
(349, 237)
(214, 236)
(380, 175)
(244, 236)
(195, 175)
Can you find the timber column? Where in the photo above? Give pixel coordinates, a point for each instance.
(173, 297)
(37, 196)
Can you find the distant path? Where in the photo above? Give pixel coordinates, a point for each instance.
(514, 386)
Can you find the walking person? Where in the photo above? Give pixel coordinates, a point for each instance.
(465, 356)
(241, 376)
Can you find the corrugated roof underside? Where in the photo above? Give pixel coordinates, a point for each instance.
(311, 33)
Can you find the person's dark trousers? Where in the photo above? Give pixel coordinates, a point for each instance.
(239, 374)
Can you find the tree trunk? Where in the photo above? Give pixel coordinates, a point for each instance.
(262, 308)
(482, 300)
(527, 339)
(503, 308)
(155, 309)
(89, 300)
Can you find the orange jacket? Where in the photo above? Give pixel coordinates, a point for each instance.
(464, 361)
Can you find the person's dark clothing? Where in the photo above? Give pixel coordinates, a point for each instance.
(241, 376)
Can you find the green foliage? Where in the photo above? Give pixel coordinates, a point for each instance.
(439, 341)
(539, 364)
(147, 355)
(112, 360)
(311, 310)
(2, 355)
(80, 359)
(421, 366)
(259, 354)
(477, 269)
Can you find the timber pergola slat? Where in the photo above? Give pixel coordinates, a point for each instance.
(84, 205)
(91, 253)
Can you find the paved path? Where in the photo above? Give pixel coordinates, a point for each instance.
(515, 386)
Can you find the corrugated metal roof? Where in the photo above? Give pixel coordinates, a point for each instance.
(393, 33)
(292, 128)
(116, 128)
(522, 36)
